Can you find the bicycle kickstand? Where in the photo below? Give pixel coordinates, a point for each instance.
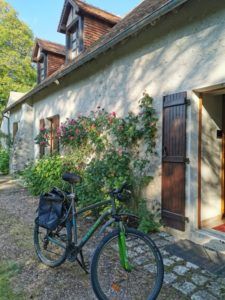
(82, 262)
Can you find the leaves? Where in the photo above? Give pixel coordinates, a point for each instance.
(4, 161)
(16, 42)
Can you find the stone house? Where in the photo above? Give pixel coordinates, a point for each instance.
(174, 50)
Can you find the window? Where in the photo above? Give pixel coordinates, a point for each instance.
(74, 38)
(42, 68)
(74, 42)
(54, 140)
(52, 124)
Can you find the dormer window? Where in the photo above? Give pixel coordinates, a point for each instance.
(49, 57)
(74, 40)
(83, 24)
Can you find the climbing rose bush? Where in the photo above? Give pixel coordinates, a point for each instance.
(43, 137)
(105, 150)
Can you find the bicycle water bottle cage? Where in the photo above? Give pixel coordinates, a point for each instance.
(72, 178)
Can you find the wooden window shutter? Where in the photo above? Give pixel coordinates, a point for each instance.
(41, 147)
(15, 129)
(55, 139)
(174, 160)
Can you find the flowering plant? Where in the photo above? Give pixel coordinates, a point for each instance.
(43, 137)
(72, 132)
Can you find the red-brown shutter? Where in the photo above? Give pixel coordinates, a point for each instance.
(55, 140)
(174, 160)
(41, 147)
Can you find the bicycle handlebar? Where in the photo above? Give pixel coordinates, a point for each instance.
(118, 192)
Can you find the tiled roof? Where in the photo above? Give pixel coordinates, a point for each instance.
(119, 32)
(138, 13)
(51, 47)
(99, 13)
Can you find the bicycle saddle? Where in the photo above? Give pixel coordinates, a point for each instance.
(71, 178)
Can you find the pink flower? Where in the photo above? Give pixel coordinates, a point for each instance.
(42, 129)
(113, 114)
(72, 122)
(77, 131)
(71, 138)
(120, 151)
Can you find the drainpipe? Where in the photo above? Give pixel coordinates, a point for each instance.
(8, 129)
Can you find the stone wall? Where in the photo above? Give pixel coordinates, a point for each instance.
(22, 151)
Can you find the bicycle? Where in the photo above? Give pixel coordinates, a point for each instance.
(126, 263)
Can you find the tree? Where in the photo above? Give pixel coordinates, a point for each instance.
(16, 41)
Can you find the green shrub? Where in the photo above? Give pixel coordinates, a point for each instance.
(148, 222)
(4, 161)
(43, 175)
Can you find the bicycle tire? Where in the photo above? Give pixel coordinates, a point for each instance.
(42, 256)
(97, 273)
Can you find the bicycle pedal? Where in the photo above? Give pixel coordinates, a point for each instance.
(71, 257)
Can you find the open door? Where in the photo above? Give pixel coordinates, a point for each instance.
(174, 160)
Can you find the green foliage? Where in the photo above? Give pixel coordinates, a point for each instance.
(8, 270)
(103, 174)
(148, 222)
(44, 175)
(16, 41)
(4, 161)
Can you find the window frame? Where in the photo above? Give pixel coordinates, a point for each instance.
(75, 27)
(42, 66)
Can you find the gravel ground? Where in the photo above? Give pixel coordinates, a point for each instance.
(36, 281)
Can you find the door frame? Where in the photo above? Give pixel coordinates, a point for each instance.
(222, 179)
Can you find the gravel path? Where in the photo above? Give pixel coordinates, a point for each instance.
(36, 281)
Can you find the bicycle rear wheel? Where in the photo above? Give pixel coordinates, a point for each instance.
(51, 246)
(111, 281)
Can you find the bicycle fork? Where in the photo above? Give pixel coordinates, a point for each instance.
(123, 248)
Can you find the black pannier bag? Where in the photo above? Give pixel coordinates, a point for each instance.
(50, 209)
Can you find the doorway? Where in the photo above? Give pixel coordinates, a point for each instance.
(212, 161)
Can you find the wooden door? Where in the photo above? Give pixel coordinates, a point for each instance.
(174, 160)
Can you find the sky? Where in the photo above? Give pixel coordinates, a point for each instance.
(43, 16)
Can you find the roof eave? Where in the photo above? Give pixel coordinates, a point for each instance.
(164, 9)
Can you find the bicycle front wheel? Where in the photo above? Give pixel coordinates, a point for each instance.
(143, 280)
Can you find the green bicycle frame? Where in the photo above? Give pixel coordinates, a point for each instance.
(123, 248)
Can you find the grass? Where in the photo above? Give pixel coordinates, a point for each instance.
(8, 270)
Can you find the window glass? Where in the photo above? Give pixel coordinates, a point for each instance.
(73, 35)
